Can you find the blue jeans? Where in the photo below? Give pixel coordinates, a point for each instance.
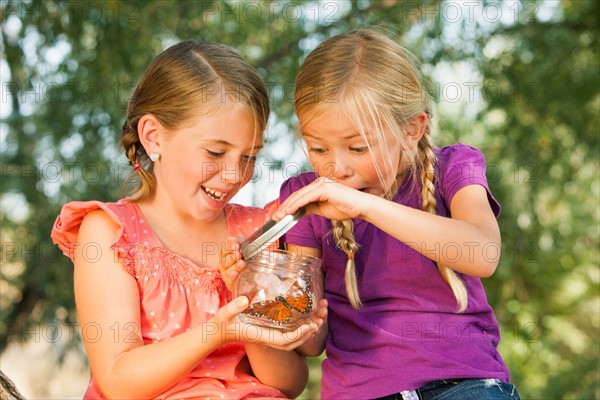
(460, 389)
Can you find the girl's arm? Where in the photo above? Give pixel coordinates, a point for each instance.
(288, 371)
(108, 308)
(314, 346)
(285, 370)
(273, 359)
(469, 242)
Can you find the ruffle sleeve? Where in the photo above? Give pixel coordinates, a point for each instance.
(271, 207)
(65, 231)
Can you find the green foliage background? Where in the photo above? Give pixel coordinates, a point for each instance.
(530, 102)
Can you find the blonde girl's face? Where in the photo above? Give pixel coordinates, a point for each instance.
(203, 164)
(338, 151)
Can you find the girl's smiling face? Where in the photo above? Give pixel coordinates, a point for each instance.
(338, 151)
(203, 164)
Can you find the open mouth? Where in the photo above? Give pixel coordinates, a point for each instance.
(214, 194)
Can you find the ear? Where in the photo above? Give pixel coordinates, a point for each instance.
(416, 129)
(148, 132)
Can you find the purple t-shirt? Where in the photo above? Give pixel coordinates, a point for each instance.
(407, 333)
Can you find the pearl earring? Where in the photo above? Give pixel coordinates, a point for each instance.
(154, 156)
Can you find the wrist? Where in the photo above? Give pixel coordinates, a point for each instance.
(376, 208)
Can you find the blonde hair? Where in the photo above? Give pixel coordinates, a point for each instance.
(186, 78)
(368, 77)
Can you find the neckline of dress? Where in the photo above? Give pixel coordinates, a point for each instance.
(157, 243)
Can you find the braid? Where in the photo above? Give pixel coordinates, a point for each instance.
(344, 237)
(428, 160)
(135, 154)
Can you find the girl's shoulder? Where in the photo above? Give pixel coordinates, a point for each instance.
(243, 220)
(459, 153)
(295, 183)
(461, 165)
(68, 223)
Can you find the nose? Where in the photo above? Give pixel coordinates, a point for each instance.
(342, 172)
(341, 167)
(235, 170)
(231, 171)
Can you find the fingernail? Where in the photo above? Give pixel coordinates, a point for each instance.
(242, 301)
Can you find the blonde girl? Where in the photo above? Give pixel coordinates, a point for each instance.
(405, 229)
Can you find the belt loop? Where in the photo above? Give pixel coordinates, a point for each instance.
(409, 395)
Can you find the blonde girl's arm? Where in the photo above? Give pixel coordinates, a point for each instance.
(288, 370)
(108, 306)
(273, 358)
(284, 370)
(469, 242)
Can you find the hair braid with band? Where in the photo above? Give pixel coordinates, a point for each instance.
(136, 154)
(343, 234)
(428, 160)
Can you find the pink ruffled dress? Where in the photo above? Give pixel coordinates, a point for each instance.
(175, 295)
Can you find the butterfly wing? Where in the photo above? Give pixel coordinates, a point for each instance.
(299, 298)
(274, 310)
(279, 311)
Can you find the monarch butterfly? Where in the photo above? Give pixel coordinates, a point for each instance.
(279, 311)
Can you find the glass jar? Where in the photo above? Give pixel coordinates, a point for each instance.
(283, 289)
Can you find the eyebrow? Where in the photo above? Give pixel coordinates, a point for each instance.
(226, 143)
(351, 136)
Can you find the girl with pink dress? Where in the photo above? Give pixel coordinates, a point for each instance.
(156, 317)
